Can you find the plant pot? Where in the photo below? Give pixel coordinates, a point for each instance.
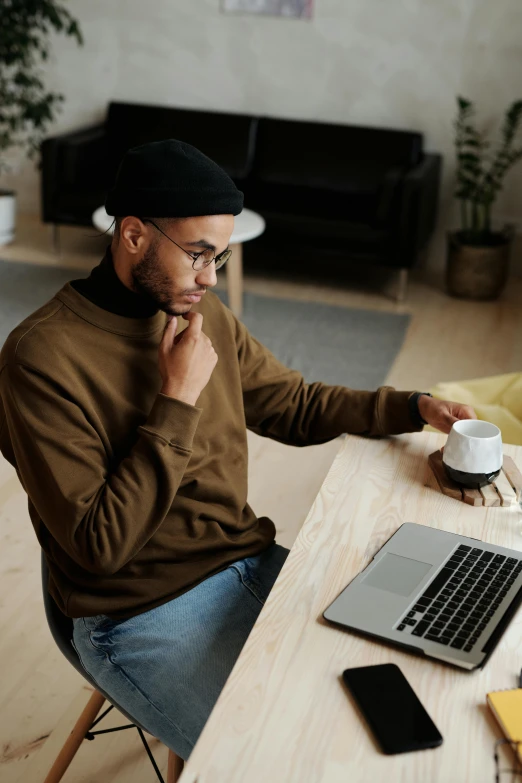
(478, 272)
(7, 216)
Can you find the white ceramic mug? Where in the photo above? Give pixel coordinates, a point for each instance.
(473, 453)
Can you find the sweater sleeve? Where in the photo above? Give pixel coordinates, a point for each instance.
(100, 517)
(280, 405)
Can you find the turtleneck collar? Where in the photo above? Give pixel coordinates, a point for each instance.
(104, 288)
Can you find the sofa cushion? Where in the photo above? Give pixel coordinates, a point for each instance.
(373, 202)
(321, 238)
(340, 157)
(286, 199)
(228, 139)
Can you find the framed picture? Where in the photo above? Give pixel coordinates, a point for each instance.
(300, 9)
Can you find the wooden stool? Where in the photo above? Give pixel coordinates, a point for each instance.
(80, 731)
(68, 742)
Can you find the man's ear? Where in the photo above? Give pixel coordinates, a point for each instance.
(133, 234)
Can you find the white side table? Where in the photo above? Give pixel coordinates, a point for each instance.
(247, 225)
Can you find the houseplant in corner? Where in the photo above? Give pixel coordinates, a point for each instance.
(478, 256)
(26, 107)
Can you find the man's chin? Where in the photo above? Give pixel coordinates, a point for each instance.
(178, 310)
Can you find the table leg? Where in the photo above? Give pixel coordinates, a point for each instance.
(55, 232)
(402, 287)
(235, 280)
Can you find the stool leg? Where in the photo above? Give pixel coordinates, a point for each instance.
(235, 280)
(175, 767)
(75, 738)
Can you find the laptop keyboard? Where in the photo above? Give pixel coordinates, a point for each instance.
(459, 603)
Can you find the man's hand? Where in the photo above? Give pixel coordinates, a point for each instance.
(442, 414)
(186, 360)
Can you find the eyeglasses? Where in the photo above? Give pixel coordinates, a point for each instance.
(199, 260)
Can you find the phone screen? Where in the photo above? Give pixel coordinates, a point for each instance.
(394, 713)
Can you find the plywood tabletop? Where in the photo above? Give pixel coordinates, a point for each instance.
(284, 713)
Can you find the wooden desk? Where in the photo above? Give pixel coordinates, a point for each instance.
(284, 715)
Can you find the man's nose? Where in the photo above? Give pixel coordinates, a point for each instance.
(207, 276)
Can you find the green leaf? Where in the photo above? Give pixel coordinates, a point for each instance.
(468, 156)
(26, 30)
(480, 173)
(464, 103)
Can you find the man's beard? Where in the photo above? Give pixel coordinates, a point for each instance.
(149, 280)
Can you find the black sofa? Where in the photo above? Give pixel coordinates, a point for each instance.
(336, 193)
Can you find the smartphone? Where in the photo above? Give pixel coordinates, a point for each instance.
(393, 711)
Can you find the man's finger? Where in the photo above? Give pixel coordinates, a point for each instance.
(170, 328)
(449, 421)
(195, 322)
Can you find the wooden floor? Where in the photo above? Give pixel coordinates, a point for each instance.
(40, 694)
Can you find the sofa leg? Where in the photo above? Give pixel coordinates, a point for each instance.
(402, 286)
(55, 232)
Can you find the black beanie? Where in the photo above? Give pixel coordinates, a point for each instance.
(171, 178)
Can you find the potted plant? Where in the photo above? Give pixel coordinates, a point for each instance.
(27, 108)
(478, 256)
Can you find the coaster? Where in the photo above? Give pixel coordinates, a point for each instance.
(504, 491)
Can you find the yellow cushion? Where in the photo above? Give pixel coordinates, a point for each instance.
(497, 399)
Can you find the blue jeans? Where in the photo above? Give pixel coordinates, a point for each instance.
(166, 667)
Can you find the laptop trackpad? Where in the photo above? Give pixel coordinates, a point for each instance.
(397, 574)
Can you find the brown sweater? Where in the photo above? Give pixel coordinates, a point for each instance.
(136, 497)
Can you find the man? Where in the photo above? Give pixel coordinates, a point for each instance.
(129, 437)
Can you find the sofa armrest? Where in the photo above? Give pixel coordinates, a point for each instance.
(390, 198)
(419, 206)
(74, 159)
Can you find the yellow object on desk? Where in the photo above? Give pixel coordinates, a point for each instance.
(506, 706)
(497, 399)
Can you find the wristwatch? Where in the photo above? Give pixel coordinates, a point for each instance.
(413, 403)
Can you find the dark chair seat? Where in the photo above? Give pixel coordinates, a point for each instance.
(61, 628)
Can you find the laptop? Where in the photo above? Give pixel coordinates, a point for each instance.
(435, 593)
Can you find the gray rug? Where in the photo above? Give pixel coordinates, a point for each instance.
(336, 345)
